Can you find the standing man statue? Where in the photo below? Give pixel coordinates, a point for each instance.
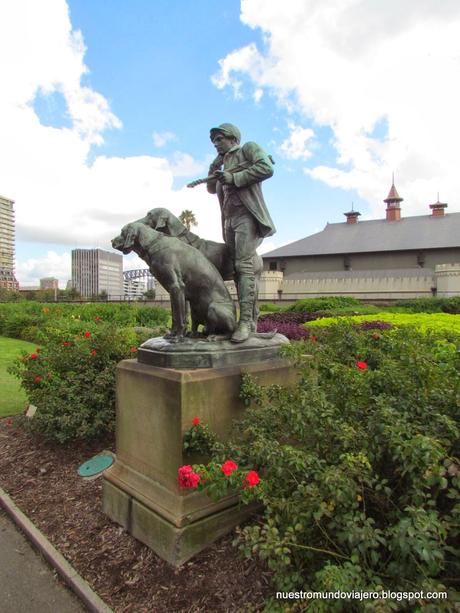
(236, 175)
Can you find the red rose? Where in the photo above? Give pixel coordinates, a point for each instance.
(228, 467)
(33, 356)
(313, 338)
(196, 421)
(37, 379)
(9, 422)
(87, 334)
(361, 365)
(376, 336)
(98, 318)
(66, 343)
(133, 349)
(187, 478)
(252, 478)
(93, 352)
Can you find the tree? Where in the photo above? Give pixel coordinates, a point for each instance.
(188, 219)
(149, 294)
(72, 293)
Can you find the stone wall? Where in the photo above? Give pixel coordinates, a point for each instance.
(444, 280)
(448, 279)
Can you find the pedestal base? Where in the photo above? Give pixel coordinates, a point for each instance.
(175, 545)
(155, 407)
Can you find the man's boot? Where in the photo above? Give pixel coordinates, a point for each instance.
(246, 296)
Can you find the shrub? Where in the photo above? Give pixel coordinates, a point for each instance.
(431, 305)
(436, 322)
(423, 305)
(35, 321)
(359, 465)
(452, 305)
(292, 331)
(287, 323)
(144, 334)
(269, 307)
(311, 305)
(71, 380)
(289, 317)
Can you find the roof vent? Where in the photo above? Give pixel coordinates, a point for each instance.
(438, 208)
(352, 216)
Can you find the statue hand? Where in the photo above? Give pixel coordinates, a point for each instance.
(225, 177)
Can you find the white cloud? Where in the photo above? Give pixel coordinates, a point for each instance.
(63, 192)
(295, 147)
(184, 165)
(52, 265)
(160, 139)
(384, 76)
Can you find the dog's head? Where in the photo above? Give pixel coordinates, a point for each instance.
(124, 242)
(164, 221)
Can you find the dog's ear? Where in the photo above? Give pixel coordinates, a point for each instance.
(129, 233)
(175, 226)
(156, 219)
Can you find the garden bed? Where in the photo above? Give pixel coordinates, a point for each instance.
(43, 481)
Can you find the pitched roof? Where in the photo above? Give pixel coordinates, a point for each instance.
(419, 232)
(393, 195)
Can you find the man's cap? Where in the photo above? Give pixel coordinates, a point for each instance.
(227, 129)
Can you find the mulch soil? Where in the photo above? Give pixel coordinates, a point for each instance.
(43, 481)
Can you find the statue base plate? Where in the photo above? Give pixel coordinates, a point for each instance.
(204, 353)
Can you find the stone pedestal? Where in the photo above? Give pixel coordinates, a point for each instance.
(155, 406)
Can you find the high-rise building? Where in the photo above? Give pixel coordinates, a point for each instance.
(49, 283)
(134, 288)
(95, 271)
(7, 278)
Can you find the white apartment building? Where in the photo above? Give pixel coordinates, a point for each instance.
(95, 271)
(7, 278)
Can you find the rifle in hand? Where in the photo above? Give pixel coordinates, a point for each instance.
(215, 175)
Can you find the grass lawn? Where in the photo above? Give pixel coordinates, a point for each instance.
(12, 398)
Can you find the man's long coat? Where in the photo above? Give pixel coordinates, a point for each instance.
(256, 167)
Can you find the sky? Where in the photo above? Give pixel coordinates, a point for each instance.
(105, 111)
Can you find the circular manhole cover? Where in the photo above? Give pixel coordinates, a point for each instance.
(95, 465)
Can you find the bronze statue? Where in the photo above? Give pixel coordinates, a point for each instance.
(187, 275)
(219, 254)
(235, 176)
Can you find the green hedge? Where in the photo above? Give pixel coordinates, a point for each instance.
(437, 322)
(431, 305)
(34, 321)
(327, 303)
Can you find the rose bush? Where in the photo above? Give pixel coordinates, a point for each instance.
(71, 381)
(359, 466)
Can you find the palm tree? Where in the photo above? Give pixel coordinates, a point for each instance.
(188, 219)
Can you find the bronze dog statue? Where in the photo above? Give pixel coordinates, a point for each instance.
(187, 275)
(164, 221)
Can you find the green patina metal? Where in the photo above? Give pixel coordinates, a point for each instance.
(95, 465)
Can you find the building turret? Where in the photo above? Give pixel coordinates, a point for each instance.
(393, 199)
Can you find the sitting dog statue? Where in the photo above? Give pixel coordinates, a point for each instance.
(187, 275)
(163, 220)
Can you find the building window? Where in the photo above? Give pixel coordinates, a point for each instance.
(273, 265)
(347, 262)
